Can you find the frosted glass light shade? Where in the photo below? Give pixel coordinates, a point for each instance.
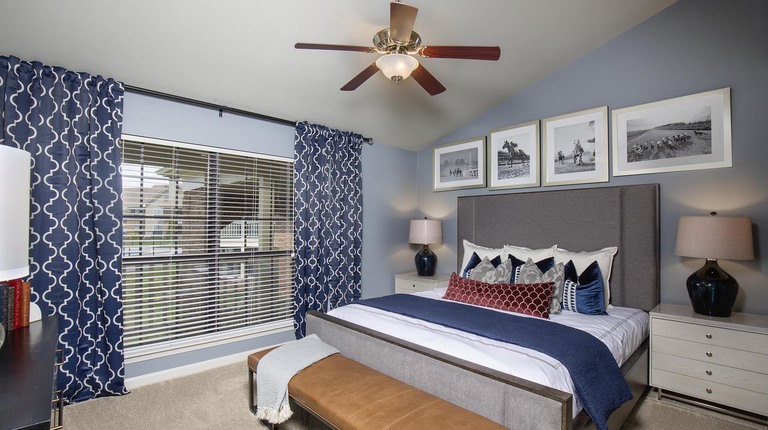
(425, 231)
(14, 212)
(397, 66)
(715, 237)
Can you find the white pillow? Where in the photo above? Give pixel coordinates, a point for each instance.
(481, 251)
(523, 253)
(581, 260)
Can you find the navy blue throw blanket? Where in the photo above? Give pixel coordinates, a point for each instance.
(595, 374)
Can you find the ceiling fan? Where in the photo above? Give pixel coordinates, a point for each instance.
(399, 44)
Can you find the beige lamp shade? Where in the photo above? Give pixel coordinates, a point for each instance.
(715, 237)
(425, 231)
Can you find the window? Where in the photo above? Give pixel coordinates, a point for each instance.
(208, 237)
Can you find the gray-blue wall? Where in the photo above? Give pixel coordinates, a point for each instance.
(389, 197)
(389, 203)
(692, 46)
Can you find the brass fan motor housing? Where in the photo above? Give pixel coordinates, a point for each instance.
(385, 44)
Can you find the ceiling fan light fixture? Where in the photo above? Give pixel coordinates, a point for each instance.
(397, 66)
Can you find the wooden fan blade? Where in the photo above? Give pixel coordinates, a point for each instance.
(334, 47)
(427, 81)
(360, 78)
(491, 53)
(401, 19)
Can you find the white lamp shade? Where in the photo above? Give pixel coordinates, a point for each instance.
(397, 66)
(715, 237)
(425, 231)
(14, 212)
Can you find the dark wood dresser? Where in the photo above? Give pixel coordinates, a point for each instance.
(27, 365)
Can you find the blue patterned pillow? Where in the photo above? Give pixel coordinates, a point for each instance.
(474, 260)
(517, 265)
(583, 293)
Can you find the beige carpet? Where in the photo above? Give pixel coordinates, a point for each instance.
(214, 399)
(218, 399)
(669, 414)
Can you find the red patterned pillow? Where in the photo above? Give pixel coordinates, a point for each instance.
(529, 299)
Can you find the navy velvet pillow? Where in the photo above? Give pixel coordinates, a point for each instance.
(517, 264)
(474, 260)
(583, 293)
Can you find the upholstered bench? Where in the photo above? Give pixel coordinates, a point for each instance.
(347, 395)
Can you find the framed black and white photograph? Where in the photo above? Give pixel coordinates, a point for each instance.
(575, 147)
(459, 165)
(685, 133)
(513, 156)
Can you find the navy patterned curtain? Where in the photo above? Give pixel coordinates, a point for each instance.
(328, 205)
(71, 124)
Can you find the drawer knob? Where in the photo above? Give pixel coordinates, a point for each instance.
(709, 335)
(709, 391)
(709, 354)
(709, 372)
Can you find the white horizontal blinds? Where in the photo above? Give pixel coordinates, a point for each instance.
(207, 245)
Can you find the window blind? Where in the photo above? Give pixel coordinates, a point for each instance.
(207, 241)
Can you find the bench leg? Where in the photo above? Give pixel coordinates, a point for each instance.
(251, 390)
(252, 402)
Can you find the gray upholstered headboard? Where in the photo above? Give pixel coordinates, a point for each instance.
(585, 219)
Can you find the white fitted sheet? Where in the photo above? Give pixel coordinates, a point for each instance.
(623, 330)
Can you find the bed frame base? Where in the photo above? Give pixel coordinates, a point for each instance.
(505, 399)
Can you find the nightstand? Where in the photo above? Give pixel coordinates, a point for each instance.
(718, 360)
(411, 282)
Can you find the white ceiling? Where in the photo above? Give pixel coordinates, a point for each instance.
(239, 53)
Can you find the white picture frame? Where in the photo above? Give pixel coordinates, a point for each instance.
(513, 157)
(575, 147)
(685, 133)
(459, 165)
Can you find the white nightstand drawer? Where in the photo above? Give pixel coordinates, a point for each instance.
(706, 390)
(406, 283)
(754, 342)
(710, 353)
(411, 286)
(714, 373)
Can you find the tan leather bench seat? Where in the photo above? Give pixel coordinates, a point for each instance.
(347, 395)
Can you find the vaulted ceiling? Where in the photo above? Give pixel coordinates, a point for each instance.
(240, 53)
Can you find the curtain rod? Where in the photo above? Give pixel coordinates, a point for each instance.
(220, 108)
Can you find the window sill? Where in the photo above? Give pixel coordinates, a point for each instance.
(150, 352)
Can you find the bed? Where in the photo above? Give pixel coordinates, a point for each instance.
(581, 219)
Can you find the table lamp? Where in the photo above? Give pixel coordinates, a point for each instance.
(14, 214)
(711, 289)
(423, 232)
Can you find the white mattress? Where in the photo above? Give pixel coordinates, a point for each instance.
(623, 330)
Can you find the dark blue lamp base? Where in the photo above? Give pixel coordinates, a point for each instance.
(712, 290)
(426, 261)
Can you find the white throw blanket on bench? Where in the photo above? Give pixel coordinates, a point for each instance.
(276, 369)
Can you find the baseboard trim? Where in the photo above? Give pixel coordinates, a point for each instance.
(190, 369)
